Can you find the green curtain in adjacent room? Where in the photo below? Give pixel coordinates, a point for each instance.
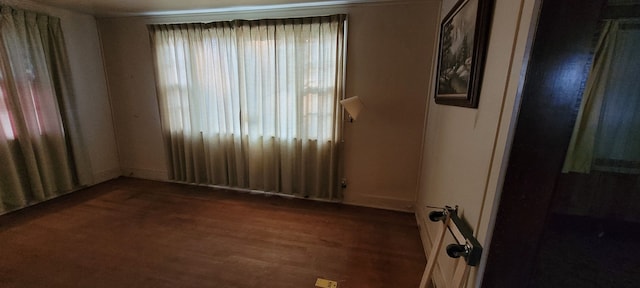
(580, 154)
(605, 136)
(617, 147)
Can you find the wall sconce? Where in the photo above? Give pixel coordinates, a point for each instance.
(353, 106)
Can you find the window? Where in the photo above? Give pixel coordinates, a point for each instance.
(38, 160)
(31, 93)
(5, 121)
(256, 84)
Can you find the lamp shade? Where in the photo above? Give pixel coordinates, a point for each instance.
(353, 106)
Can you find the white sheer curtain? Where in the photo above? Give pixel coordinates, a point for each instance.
(253, 104)
(605, 137)
(37, 162)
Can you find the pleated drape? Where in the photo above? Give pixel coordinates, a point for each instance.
(253, 104)
(605, 135)
(36, 111)
(580, 154)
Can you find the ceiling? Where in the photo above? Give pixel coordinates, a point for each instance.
(141, 7)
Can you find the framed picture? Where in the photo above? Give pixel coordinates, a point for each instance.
(464, 37)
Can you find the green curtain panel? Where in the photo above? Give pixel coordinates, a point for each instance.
(605, 136)
(580, 154)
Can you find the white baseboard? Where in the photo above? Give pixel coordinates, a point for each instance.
(425, 235)
(106, 175)
(160, 175)
(373, 201)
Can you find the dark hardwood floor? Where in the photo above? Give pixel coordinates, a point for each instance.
(139, 233)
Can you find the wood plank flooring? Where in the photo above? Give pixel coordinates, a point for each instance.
(138, 233)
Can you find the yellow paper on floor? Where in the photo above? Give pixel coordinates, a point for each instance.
(324, 283)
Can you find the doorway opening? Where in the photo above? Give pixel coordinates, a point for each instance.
(594, 222)
(558, 226)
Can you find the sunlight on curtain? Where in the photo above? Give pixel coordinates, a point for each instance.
(253, 104)
(37, 163)
(605, 137)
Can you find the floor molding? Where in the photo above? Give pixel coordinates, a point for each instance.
(374, 201)
(106, 175)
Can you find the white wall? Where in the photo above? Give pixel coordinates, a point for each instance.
(89, 86)
(464, 149)
(390, 46)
